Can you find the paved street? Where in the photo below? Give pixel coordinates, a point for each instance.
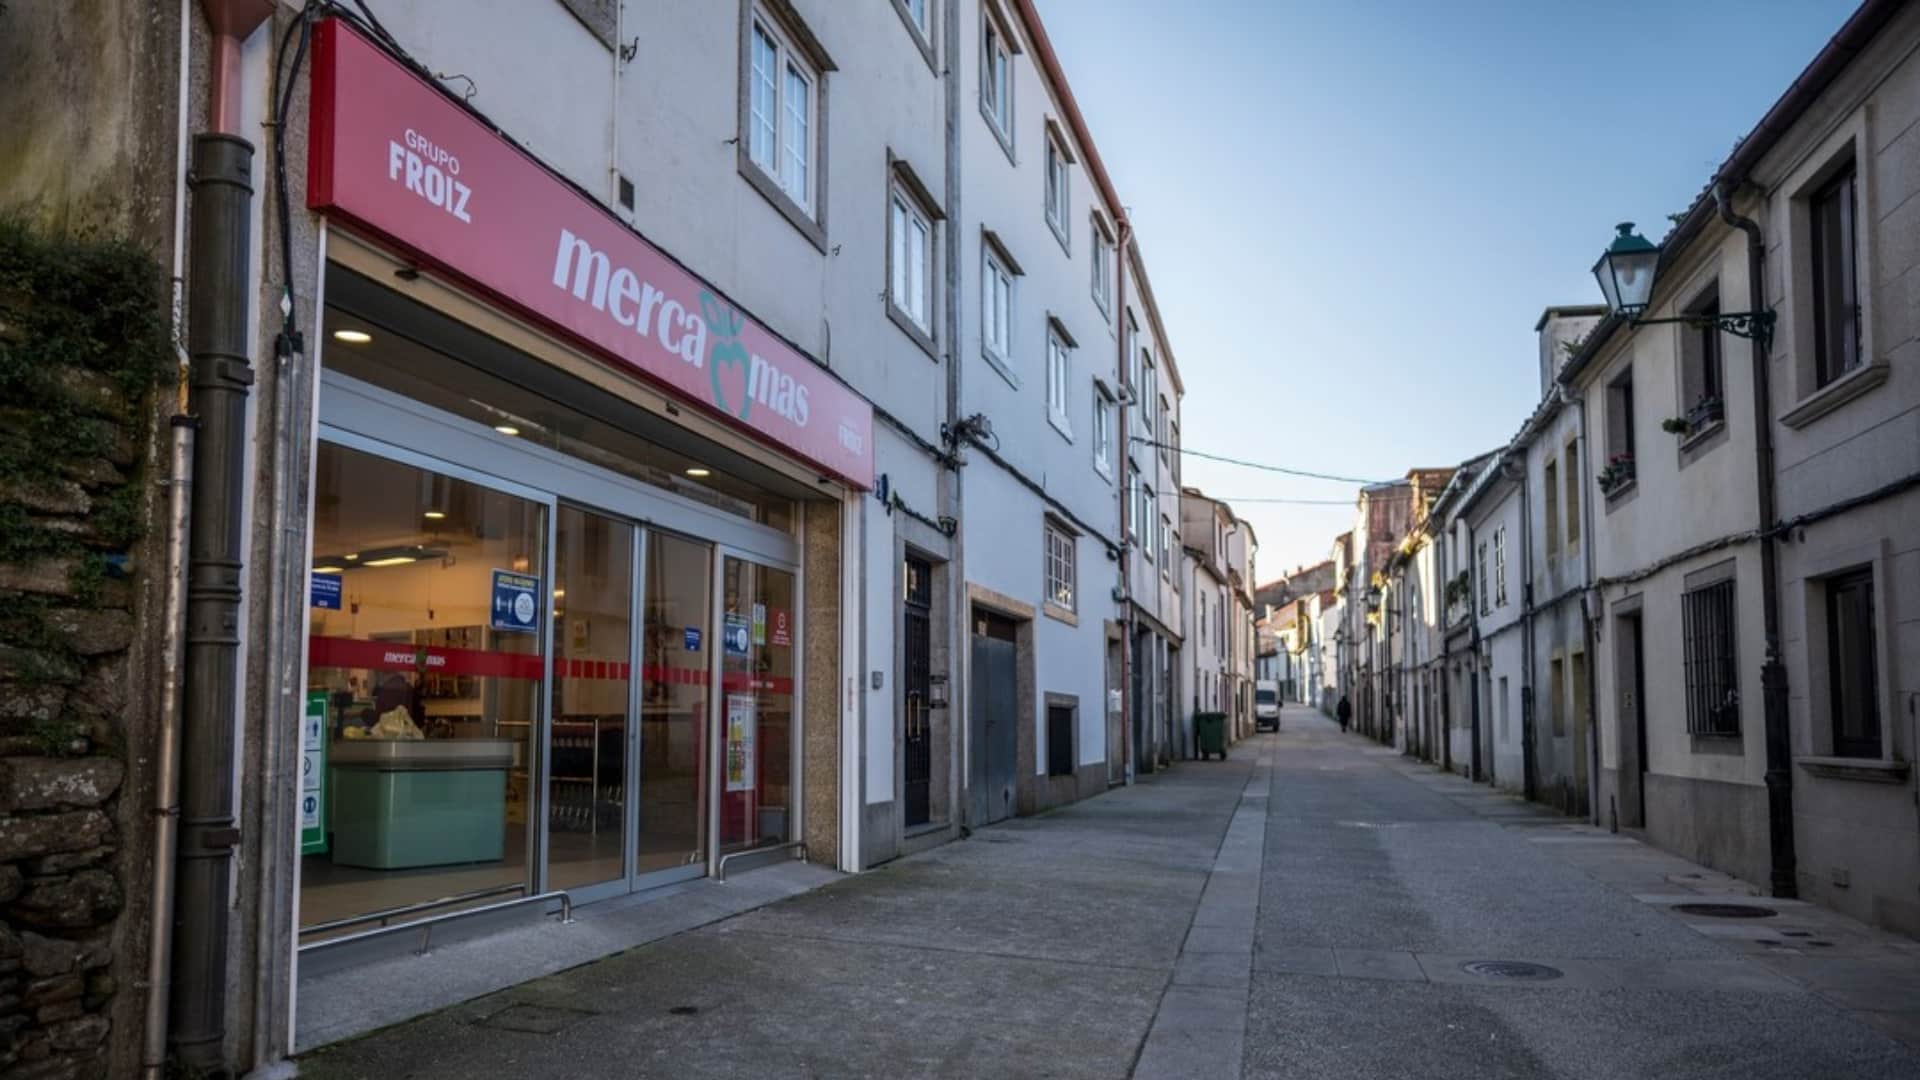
(1308, 908)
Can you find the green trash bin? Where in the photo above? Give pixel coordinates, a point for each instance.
(1210, 734)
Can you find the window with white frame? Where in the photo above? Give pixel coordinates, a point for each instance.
(1500, 566)
(1173, 429)
(1144, 388)
(1102, 265)
(996, 305)
(919, 15)
(910, 257)
(1102, 431)
(996, 80)
(1480, 556)
(1166, 547)
(1143, 516)
(1059, 369)
(782, 112)
(1061, 569)
(1057, 189)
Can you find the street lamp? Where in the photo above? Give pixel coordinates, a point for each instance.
(1626, 271)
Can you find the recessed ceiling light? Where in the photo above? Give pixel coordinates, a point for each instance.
(392, 560)
(327, 569)
(434, 515)
(352, 337)
(697, 472)
(351, 558)
(558, 593)
(506, 429)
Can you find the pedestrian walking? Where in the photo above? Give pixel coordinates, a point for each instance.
(1344, 711)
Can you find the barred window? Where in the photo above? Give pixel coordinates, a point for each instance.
(1713, 694)
(1060, 567)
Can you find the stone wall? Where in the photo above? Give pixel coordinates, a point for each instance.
(83, 346)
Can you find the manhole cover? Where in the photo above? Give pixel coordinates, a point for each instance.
(1726, 911)
(535, 1019)
(1510, 969)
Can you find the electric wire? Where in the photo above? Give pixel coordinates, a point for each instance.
(1259, 465)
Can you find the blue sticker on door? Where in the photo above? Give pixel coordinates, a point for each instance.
(516, 602)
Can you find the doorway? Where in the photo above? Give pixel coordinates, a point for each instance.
(754, 714)
(1632, 716)
(916, 690)
(994, 716)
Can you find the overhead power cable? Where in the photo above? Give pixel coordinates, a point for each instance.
(1291, 502)
(1257, 464)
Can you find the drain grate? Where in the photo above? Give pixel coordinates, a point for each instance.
(1510, 969)
(1726, 911)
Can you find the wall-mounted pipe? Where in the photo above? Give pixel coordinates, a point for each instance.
(1773, 672)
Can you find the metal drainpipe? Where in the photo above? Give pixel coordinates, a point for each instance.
(951, 489)
(1475, 764)
(1773, 673)
(1124, 234)
(1589, 618)
(1529, 769)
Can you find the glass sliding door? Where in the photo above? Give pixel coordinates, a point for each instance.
(758, 635)
(593, 639)
(675, 700)
(426, 635)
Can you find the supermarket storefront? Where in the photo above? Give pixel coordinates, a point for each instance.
(562, 493)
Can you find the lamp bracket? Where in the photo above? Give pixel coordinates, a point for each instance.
(1752, 325)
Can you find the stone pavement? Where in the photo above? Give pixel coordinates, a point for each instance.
(1311, 907)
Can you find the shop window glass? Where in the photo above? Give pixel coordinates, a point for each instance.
(426, 627)
(592, 689)
(758, 633)
(675, 692)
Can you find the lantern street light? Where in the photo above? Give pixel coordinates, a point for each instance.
(1626, 272)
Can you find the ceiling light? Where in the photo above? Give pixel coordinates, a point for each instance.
(391, 560)
(558, 593)
(697, 472)
(327, 569)
(506, 429)
(434, 515)
(352, 557)
(352, 337)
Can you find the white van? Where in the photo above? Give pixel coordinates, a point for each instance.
(1266, 704)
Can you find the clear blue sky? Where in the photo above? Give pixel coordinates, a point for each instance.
(1354, 212)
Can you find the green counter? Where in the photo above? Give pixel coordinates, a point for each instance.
(401, 804)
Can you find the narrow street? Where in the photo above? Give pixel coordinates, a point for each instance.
(1310, 907)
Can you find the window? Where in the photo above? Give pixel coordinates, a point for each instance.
(1620, 464)
(1700, 363)
(1102, 266)
(1500, 566)
(781, 106)
(1135, 520)
(1852, 665)
(910, 256)
(996, 82)
(1173, 429)
(1058, 189)
(996, 306)
(1061, 568)
(1572, 458)
(1201, 599)
(1102, 431)
(1481, 563)
(1713, 696)
(1166, 542)
(1836, 297)
(1550, 492)
(1144, 388)
(1503, 711)
(919, 15)
(1060, 725)
(1059, 369)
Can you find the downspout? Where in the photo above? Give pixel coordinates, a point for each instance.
(1589, 616)
(1123, 230)
(166, 781)
(217, 341)
(1773, 673)
(1529, 771)
(1477, 767)
(952, 491)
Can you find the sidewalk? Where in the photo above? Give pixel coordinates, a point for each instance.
(1040, 946)
(1870, 974)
